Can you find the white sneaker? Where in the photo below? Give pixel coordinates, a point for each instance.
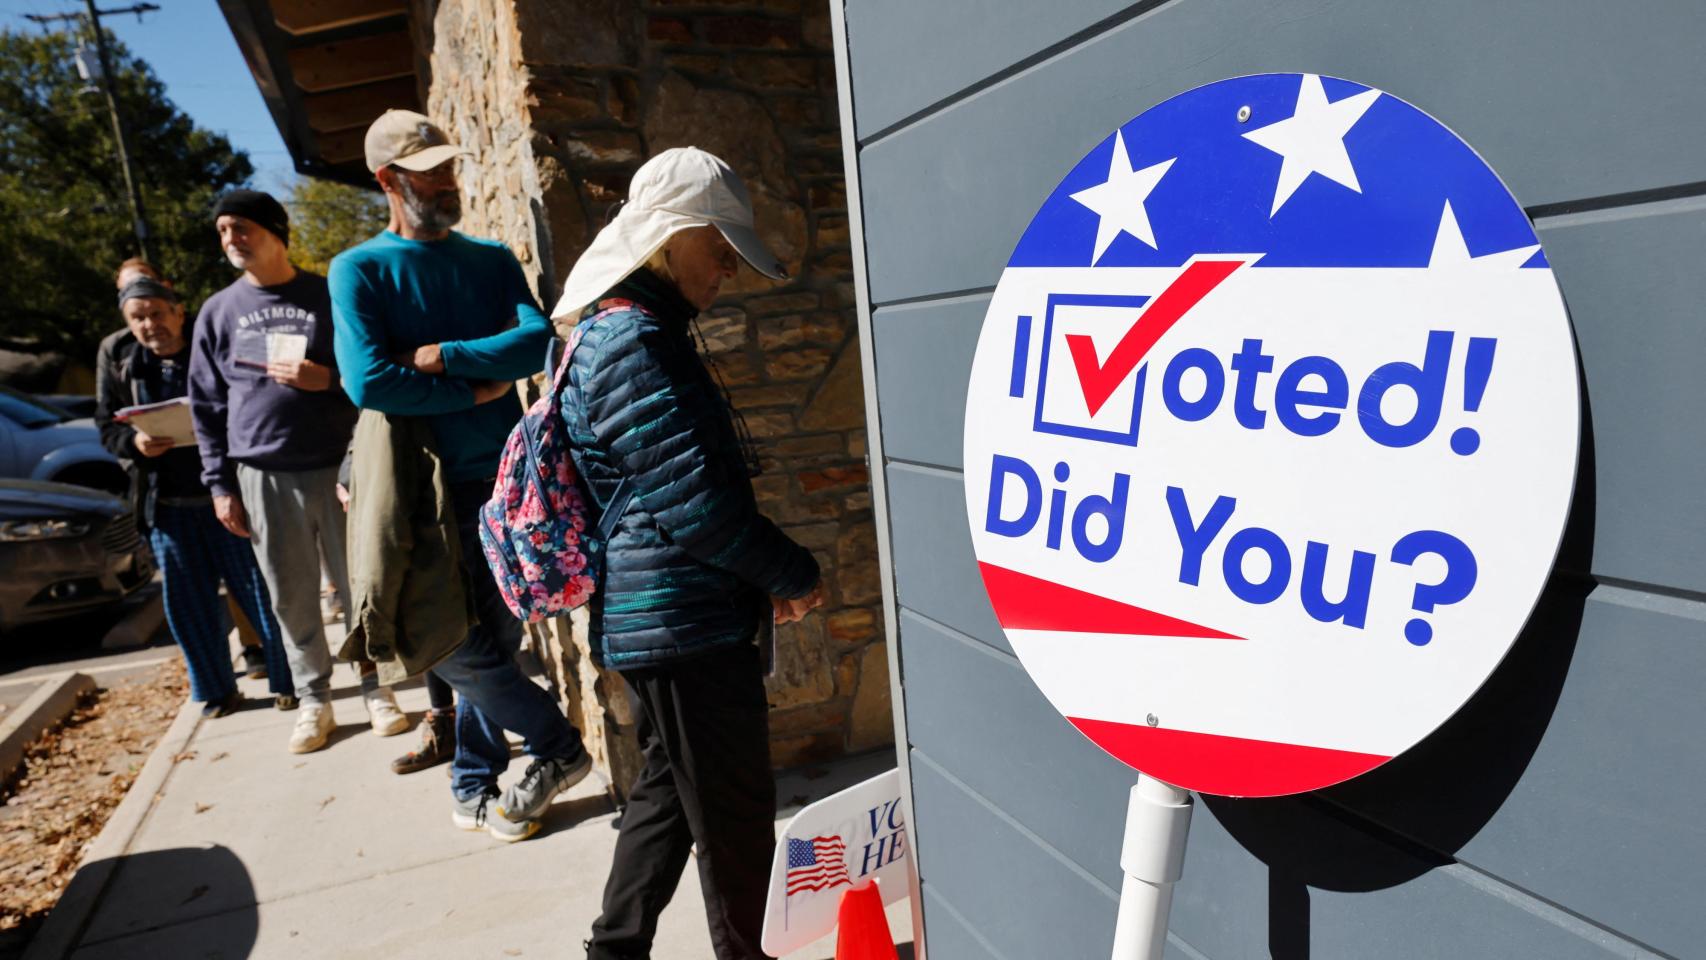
(314, 724)
(382, 712)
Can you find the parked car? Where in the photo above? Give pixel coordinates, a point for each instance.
(39, 441)
(65, 549)
(79, 405)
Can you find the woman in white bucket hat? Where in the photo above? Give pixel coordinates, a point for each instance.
(693, 570)
(678, 190)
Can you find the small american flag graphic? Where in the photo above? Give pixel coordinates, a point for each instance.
(815, 864)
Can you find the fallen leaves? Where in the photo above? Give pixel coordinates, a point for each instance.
(72, 778)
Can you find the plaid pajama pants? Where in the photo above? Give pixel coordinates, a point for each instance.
(195, 552)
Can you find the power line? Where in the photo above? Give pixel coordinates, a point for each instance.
(92, 20)
(46, 18)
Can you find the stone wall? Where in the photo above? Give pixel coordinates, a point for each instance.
(480, 99)
(562, 100)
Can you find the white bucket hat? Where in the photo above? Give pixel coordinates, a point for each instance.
(678, 189)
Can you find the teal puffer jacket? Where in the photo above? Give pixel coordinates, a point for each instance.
(692, 561)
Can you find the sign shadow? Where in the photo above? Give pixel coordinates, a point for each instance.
(196, 901)
(1415, 813)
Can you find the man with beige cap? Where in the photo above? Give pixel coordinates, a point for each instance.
(436, 325)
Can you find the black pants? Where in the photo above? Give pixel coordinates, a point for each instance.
(704, 728)
(439, 694)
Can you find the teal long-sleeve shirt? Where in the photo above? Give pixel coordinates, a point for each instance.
(391, 295)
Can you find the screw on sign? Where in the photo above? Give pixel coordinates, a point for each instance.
(1271, 434)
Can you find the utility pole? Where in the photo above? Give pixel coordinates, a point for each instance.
(93, 19)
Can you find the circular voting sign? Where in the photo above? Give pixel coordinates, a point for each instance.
(1270, 435)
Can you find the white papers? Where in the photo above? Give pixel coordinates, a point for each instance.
(257, 348)
(166, 419)
(286, 347)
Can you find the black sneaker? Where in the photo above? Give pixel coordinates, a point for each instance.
(222, 708)
(254, 663)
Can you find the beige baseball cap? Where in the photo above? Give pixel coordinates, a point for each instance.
(679, 188)
(409, 140)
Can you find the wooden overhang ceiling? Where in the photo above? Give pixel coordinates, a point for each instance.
(327, 68)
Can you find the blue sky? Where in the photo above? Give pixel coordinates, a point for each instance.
(191, 50)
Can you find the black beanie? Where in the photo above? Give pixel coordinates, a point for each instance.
(146, 287)
(259, 207)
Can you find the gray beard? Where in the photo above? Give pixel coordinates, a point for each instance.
(429, 216)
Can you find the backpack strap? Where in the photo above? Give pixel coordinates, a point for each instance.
(610, 512)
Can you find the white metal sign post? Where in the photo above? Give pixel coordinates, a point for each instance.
(1270, 439)
(1157, 820)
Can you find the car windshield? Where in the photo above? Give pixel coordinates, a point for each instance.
(28, 412)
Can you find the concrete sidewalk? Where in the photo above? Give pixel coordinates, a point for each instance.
(251, 851)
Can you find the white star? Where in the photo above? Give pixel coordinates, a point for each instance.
(1119, 201)
(1450, 250)
(1312, 140)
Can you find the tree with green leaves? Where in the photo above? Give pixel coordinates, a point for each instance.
(327, 218)
(65, 219)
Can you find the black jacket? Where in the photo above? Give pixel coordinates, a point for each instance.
(692, 562)
(122, 379)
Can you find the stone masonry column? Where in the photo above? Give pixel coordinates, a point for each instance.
(562, 100)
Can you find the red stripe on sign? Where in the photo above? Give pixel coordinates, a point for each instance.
(1024, 602)
(1228, 766)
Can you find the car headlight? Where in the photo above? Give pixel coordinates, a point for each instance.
(12, 531)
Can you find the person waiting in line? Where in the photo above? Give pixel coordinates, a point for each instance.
(438, 726)
(462, 314)
(148, 362)
(272, 425)
(255, 659)
(135, 269)
(693, 570)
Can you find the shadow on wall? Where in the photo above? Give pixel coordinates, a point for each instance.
(1413, 814)
(201, 903)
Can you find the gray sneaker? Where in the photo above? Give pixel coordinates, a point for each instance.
(528, 797)
(476, 814)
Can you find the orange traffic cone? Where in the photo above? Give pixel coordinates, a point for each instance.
(862, 929)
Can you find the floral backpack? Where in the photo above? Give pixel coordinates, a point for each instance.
(535, 528)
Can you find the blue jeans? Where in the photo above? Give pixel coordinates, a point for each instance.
(495, 694)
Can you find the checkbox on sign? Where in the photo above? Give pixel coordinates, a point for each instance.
(1082, 391)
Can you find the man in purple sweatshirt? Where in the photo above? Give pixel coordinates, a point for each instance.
(273, 424)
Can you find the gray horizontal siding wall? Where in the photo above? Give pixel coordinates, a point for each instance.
(1558, 815)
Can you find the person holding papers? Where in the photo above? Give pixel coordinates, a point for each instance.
(273, 423)
(147, 363)
(258, 663)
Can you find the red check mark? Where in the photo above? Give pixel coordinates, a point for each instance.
(1100, 380)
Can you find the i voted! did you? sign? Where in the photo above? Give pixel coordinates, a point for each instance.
(1271, 434)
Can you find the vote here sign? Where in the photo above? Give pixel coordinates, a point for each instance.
(1271, 434)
